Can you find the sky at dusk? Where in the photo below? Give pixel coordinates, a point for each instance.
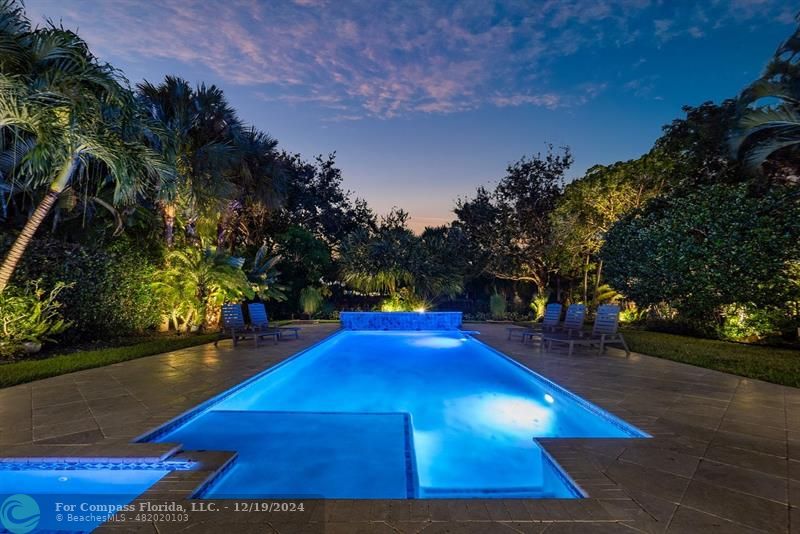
(424, 101)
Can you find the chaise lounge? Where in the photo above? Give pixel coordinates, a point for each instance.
(572, 325)
(233, 325)
(605, 332)
(260, 321)
(552, 316)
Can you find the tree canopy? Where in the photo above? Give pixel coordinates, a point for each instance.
(510, 227)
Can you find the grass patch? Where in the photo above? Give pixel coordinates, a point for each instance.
(773, 364)
(29, 370)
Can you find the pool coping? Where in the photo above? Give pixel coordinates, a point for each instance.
(409, 457)
(191, 413)
(635, 432)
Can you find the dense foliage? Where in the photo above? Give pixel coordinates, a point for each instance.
(411, 269)
(151, 205)
(108, 287)
(705, 250)
(510, 227)
(28, 317)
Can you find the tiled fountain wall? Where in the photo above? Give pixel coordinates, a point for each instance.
(400, 320)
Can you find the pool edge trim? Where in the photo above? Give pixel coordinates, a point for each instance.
(194, 411)
(600, 412)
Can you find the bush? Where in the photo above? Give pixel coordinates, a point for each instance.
(30, 315)
(497, 306)
(196, 282)
(703, 250)
(539, 304)
(508, 316)
(630, 314)
(405, 300)
(748, 324)
(310, 300)
(107, 291)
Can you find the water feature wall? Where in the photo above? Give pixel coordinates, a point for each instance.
(400, 320)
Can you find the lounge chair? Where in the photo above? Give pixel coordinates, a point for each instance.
(233, 325)
(572, 325)
(605, 332)
(552, 315)
(260, 321)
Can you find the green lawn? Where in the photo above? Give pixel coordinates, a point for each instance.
(781, 366)
(30, 370)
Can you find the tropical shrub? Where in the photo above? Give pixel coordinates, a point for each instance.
(539, 304)
(604, 294)
(196, 282)
(497, 306)
(263, 276)
(107, 290)
(404, 300)
(630, 314)
(29, 314)
(310, 300)
(695, 251)
(747, 323)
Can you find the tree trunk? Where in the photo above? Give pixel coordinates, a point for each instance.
(586, 280)
(220, 235)
(598, 277)
(24, 239)
(169, 224)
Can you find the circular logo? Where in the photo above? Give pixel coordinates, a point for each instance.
(19, 514)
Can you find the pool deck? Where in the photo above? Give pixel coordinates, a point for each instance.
(724, 457)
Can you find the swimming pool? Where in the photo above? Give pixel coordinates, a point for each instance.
(392, 414)
(72, 496)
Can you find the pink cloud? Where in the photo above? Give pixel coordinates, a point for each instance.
(382, 59)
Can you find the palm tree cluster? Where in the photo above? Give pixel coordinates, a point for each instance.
(72, 131)
(225, 172)
(391, 260)
(65, 117)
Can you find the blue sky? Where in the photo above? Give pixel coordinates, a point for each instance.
(423, 101)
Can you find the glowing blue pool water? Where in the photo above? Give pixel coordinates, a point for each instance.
(67, 500)
(398, 414)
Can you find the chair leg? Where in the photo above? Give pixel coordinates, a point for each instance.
(627, 350)
(602, 343)
(571, 346)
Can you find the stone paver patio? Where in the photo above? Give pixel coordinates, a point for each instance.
(724, 457)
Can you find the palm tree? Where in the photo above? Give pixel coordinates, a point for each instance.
(197, 281)
(264, 276)
(79, 112)
(259, 177)
(196, 132)
(765, 129)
